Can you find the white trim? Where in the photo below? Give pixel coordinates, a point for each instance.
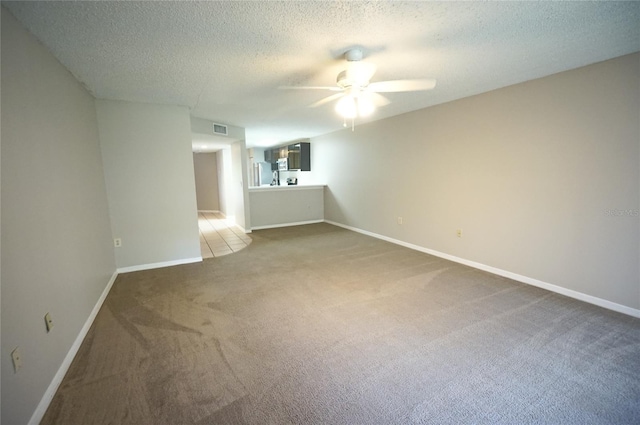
(38, 414)
(210, 211)
(504, 273)
(298, 223)
(241, 228)
(159, 265)
(254, 189)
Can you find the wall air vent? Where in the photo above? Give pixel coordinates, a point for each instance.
(220, 129)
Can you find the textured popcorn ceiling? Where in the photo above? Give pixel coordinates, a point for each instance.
(226, 60)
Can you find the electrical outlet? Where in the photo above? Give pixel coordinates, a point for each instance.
(117, 242)
(400, 220)
(17, 359)
(48, 322)
(459, 233)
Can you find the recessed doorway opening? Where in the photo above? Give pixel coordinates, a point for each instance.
(218, 236)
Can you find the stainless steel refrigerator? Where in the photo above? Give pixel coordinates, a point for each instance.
(262, 174)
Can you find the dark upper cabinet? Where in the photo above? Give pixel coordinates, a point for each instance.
(293, 156)
(271, 156)
(298, 156)
(268, 156)
(305, 156)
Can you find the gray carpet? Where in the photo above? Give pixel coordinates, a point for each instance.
(319, 325)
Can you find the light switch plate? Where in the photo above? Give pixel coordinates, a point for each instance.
(17, 359)
(48, 321)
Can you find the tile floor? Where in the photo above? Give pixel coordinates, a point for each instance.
(217, 237)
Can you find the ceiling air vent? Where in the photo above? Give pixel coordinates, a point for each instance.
(220, 129)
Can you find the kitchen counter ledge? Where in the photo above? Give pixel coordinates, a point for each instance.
(286, 187)
(277, 206)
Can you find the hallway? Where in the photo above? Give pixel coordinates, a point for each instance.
(217, 237)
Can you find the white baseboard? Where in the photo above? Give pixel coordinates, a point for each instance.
(38, 414)
(242, 228)
(504, 273)
(159, 265)
(297, 223)
(209, 211)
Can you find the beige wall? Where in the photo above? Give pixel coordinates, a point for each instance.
(57, 248)
(543, 178)
(286, 205)
(148, 166)
(205, 166)
(238, 185)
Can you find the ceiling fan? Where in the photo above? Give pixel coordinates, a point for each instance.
(357, 95)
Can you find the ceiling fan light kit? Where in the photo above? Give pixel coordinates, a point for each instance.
(354, 106)
(346, 107)
(358, 97)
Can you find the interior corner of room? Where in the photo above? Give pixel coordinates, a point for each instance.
(536, 181)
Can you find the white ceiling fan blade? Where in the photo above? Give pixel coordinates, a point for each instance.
(402, 85)
(310, 88)
(378, 99)
(326, 100)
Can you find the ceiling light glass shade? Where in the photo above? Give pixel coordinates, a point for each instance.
(365, 106)
(350, 106)
(346, 107)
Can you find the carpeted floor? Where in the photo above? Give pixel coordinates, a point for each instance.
(319, 325)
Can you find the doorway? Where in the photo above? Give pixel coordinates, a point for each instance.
(219, 237)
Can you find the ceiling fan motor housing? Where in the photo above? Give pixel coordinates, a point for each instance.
(353, 55)
(358, 72)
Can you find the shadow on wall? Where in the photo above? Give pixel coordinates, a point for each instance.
(332, 203)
